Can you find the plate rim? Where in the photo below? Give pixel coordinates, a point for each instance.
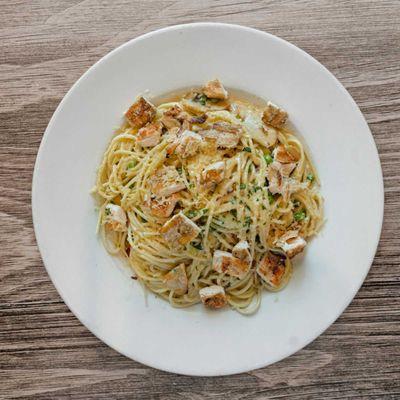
(37, 225)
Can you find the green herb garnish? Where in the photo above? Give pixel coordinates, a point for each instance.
(299, 216)
(271, 198)
(247, 222)
(107, 211)
(242, 186)
(201, 98)
(131, 164)
(310, 177)
(234, 213)
(256, 188)
(247, 149)
(268, 158)
(191, 213)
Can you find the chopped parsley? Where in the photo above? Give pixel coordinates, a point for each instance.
(299, 216)
(310, 177)
(204, 210)
(191, 185)
(256, 188)
(268, 158)
(242, 186)
(271, 198)
(247, 149)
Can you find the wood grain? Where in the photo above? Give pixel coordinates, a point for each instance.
(45, 353)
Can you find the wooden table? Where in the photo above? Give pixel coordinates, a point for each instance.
(45, 353)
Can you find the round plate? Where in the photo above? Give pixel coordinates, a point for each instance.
(196, 341)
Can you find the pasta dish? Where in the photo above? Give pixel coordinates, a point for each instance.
(208, 198)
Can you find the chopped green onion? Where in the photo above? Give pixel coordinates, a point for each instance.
(242, 186)
(131, 164)
(268, 158)
(310, 177)
(247, 149)
(204, 210)
(191, 185)
(256, 188)
(271, 198)
(299, 216)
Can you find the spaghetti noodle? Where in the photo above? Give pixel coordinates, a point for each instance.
(208, 198)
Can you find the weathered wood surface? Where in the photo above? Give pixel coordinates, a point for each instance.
(45, 353)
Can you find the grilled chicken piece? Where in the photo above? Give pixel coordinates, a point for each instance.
(215, 90)
(225, 262)
(274, 115)
(176, 280)
(272, 268)
(226, 135)
(188, 143)
(115, 218)
(283, 156)
(162, 207)
(275, 179)
(179, 230)
(140, 113)
(149, 135)
(242, 252)
(291, 243)
(213, 174)
(284, 169)
(166, 181)
(170, 122)
(213, 296)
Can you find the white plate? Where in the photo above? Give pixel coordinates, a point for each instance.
(195, 341)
